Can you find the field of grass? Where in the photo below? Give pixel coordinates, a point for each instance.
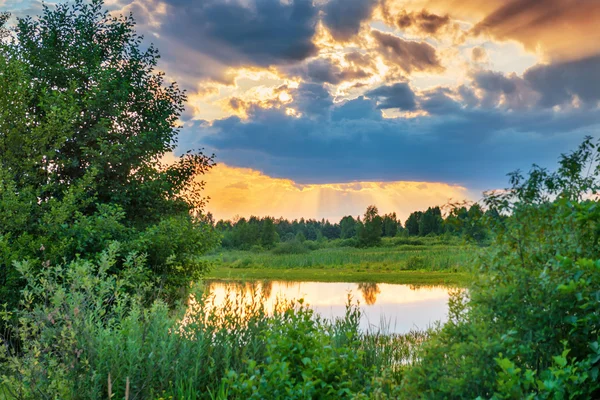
(429, 263)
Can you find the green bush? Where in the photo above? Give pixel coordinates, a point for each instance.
(292, 247)
(414, 263)
(529, 325)
(80, 326)
(312, 245)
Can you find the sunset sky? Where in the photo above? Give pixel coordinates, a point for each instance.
(319, 108)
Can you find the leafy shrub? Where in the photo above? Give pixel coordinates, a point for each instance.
(312, 245)
(292, 247)
(80, 324)
(529, 325)
(242, 263)
(414, 263)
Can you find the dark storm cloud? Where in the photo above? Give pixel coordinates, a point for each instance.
(344, 17)
(398, 95)
(312, 99)
(407, 54)
(439, 101)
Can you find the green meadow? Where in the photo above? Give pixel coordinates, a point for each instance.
(430, 261)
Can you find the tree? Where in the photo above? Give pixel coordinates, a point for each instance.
(412, 223)
(390, 225)
(369, 233)
(85, 120)
(431, 222)
(268, 234)
(347, 227)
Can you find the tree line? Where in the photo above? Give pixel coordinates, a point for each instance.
(366, 231)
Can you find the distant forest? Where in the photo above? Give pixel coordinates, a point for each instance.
(255, 232)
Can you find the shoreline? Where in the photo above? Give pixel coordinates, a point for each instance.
(460, 279)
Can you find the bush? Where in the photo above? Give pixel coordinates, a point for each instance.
(414, 263)
(293, 247)
(80, 326)
(312, 245)
(529, 325)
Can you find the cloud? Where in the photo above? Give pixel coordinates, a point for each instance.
(560, 83)
(245, 192)
(406, 54)
(263, 32)
(325, 70)
(343, 18)
(479, 55)
(473, 147)
(563, 29)
(422, 21)
(567, 84)
(398, 95)
(312, 99)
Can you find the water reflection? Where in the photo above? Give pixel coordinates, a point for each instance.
(395, 308)
(369, 292)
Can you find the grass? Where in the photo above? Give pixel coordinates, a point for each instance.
(423, 263)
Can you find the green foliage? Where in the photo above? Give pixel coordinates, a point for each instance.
(413, 222)
(432, 254)
(268, 235)
(391, 225)
(81, 326)
(304, 358)
(370, 230)
(85, 120)
(430, 222)
(529, 326)
(291, 247)
(348, 227)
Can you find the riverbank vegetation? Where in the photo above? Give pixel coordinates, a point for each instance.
(99, 244)
(442, 259)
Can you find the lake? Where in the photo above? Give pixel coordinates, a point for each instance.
(390, 307)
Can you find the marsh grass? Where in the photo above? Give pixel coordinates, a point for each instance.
(400, 258)
(81, 325)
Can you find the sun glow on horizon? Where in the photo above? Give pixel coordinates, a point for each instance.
(244, 192)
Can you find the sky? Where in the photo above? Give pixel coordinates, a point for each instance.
(318, 108)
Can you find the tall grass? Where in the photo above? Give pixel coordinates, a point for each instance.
(81, 325)
(404, 257)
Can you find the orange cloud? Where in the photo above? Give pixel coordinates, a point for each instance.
(244, 192)
(559, 29)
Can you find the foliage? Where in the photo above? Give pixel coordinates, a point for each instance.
(291, 247)
(431, 222)
(85, 120)
(529, 327)
(370, 230)
(81, 325)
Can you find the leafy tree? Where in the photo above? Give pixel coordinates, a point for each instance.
(431, 222)
(348, 227)
(85, 120)
(268, 235)
(413, 222)
(369, 232)
(390, 225)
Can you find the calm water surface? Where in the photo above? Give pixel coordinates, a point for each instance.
(393, 308)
